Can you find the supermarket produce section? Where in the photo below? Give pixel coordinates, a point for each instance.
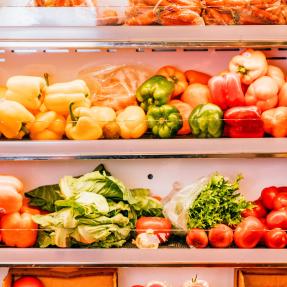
(136, 156)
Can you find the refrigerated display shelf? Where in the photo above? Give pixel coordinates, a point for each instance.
(139, 36)
(139, 257)
(144, 148)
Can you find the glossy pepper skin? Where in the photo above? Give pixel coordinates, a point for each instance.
(164, 121)
(13, 119)
(60, 96)
(156, 91)
(177, 77)
(275, 122)
(206, 121)
(26, 90)
(243, 122)
(47, 126)
(226, 91)
(82, 125)
(250, 65)
(262, 93)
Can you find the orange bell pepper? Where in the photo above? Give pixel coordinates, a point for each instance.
(276, 74)
(275, 122)
(11, 194)
(175, 75)
(197, 77)
(283, 96)
(47, 126)
(27, 209)
(262, 93)
(250, 65)
(185, 111)
(196, 94)
(18, 230)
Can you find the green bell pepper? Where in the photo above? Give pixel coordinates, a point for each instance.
(164, 121)
(156, 91)
(206, 121)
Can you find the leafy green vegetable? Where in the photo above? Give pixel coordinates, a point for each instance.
(145, 205)
(96, 182)
(44, 197)
(218, 202)
(93, 210)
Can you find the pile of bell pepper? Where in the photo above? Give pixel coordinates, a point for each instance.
(248, 100)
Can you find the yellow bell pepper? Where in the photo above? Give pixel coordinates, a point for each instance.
(81, 125)
(133, 123)
(59, 96)
(47, 126)
(2, 92)
(13, 119)
(26, 90)
(104, 115)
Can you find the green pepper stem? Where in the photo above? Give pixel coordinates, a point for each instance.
(242, 70)
(72, 115)
(194, 279)
(46, 76)
(24, 129)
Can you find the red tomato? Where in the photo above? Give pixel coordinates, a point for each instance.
(280, 200)
(282, 189)
(157, 197)
(28, 281)
(160, 226)
(275, 238)
(277, 218)
(258, 210)
(263, 221)
(137, 286)
(156, 284)
(220, 236)
(185, 111)
(268, 195)
(249, 232)
(197, 77)
(197, 238)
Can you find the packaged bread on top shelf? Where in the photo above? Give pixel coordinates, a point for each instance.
(63, 3)
(164, 12)
(243, 12)
(111, 12)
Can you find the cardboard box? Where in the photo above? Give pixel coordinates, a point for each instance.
(261, 277)
(65, 276)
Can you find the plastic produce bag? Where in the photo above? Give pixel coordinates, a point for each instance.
(62, 3)
(111, 12)
(114, 86)
(247, 12)
(164, 12)
(177, 206)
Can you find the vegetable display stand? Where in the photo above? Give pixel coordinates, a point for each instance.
(59, 176)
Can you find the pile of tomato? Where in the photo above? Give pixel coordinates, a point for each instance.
(264, 224)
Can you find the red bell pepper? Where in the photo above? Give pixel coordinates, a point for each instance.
(243, 122)
(226, 91)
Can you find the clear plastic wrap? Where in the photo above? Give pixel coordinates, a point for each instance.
(62, 3)
(114, 86)
(164, 12)
(246, 12)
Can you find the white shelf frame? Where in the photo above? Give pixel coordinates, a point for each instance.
(140, 257)
(143, 148)
(144, 36)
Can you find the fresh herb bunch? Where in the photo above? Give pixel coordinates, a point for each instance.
(219, 202)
